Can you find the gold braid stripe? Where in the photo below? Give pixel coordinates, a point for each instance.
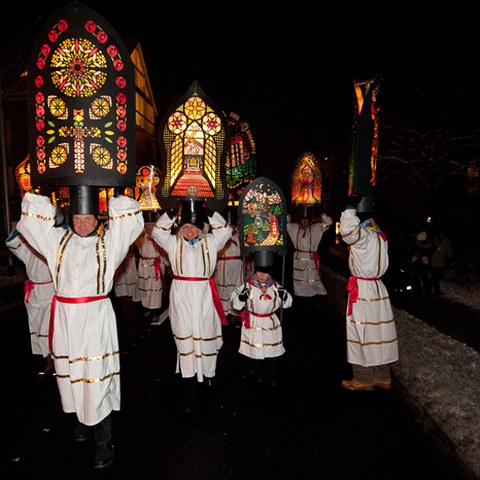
(67, 236)
(372, 343)
(93, 359)
(261, 345)
(130, 214)
(94, 380)
(383, 322)
(37, 215)
(219, 227)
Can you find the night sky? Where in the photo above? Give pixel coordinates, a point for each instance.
(288, 70)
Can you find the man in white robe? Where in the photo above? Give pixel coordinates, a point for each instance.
(152, 268)
(195, 308)
(38, 297)
(83, 334)
(306, 237)
(229, 275)
(372, 344)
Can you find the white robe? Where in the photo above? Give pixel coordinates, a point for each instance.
(85, 339)
(125, 283)
(229, 272)
(371, 330)
(306, 277)
(38, 298)
(261, 336)
(195, 324)
(151, 287)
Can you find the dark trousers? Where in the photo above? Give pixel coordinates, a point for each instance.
(102, 430)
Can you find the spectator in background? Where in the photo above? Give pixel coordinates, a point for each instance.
(420, 264)
(442, 254)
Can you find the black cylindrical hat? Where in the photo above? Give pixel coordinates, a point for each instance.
(83, 200)
(263, 260)
(193, 212)
(305, 211)
(150, 216)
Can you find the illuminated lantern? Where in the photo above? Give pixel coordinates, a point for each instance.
(240, 163)
(306, 182)
(23, 178)
(81, 106)
(363, 161)
(262, 217)
(148, 178)
(193, 139)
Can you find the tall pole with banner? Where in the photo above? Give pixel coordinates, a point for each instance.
(363, 161)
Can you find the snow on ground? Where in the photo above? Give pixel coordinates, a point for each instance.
(437, 375)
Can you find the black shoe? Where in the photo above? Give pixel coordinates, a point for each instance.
(82, 432)
(104, 455)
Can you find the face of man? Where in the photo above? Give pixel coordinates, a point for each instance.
(149, 228)
(189, 231)
(304, 222)
(84, 225)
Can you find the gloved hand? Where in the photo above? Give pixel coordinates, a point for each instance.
(354, 200)
(282, 293)
(243, 296)
(172, 213)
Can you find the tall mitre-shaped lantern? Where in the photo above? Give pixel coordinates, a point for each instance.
(262, 217)
(363, 161)
(193, 136)
(81, 107)
(306, 184)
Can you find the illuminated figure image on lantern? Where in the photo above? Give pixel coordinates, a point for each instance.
(306, 181)
(148, 177)
(263, 217)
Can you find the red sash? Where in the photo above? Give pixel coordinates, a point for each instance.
(56, 299)
(229, 258)
(215, 296)
(352, 289)
(29, 286)
(157, 269)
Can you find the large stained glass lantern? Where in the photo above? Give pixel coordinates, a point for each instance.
(193, 136)
(306, 182)
(363, 161)
(81, 104)
(262, 217)
(240, 162)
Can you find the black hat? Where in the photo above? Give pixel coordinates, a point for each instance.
(84, 200)
(305, 211)
(193, 212)
(150, 216)
(263, 261)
